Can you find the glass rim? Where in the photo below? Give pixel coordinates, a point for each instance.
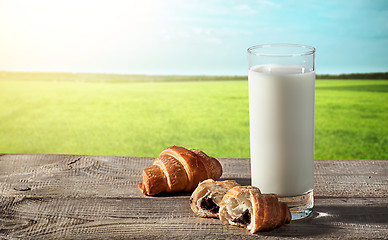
(310, 50)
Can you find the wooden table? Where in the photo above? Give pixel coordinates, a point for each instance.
(96, 197)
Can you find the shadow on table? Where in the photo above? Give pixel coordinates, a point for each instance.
(241, 181)
(356, 214)
(327, 220)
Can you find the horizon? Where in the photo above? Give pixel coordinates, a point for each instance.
(2, 72)
(146, 74)
(187, 38)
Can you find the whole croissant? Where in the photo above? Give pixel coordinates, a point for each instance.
(179, 169)
(246, 206)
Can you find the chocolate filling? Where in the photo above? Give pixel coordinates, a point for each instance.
(208, 204)
(245, 218)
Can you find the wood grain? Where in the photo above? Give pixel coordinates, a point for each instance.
(96, 197)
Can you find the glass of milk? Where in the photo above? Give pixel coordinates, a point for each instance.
(281, 80)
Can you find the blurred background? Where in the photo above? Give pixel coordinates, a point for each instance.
(133, 77)
(191, 38)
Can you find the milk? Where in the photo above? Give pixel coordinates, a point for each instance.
(281, 110)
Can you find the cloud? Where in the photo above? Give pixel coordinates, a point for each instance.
(214, 40)
(266, 3)
(245, 9)
(210, 35)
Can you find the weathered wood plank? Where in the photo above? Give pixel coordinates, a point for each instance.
(96, 197)
(166, 217)
(99, 176)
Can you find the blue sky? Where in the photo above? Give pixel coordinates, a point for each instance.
(206, 37)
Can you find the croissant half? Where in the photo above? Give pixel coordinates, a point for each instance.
(179, 169)
(206, 198)
(246, 206)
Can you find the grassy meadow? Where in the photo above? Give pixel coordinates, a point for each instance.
(142, 118)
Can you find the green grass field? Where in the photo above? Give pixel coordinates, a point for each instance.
(141, 119)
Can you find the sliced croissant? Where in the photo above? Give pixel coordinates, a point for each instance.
(245, 206)
(179, 169)
(207, 197)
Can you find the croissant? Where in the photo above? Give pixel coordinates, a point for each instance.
(179, 169)
(245, 206)
(207, 197)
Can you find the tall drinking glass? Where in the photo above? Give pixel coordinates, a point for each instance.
(281, 80)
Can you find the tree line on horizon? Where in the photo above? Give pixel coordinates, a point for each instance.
(107, 77)
(375, 75)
